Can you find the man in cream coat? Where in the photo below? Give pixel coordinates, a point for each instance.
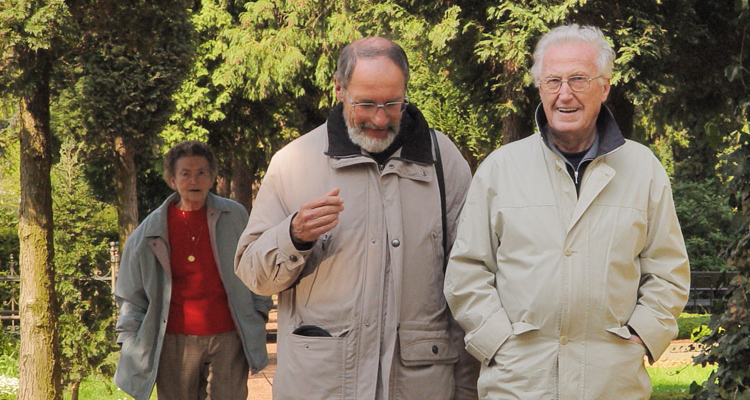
(569, 265)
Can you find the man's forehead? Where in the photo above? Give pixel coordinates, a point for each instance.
(570, 58)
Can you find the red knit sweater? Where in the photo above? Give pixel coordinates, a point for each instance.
(199, 303)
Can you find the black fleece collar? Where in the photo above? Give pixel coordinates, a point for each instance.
(414, 133)
(610, 136)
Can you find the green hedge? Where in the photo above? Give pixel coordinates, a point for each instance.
(687, 323)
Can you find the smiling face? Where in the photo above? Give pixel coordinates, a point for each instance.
(192, 180)
(572, 114)
(374, 80)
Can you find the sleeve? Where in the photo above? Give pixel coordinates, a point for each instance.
(262, 304)
(469, 282)
(266, 259)
(458, 178)
(129, 292)
(665, 271)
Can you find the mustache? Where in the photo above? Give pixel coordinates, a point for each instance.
(369, 125)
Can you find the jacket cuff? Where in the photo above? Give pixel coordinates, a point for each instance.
(484, 342)
(654, 333)
(287, 250)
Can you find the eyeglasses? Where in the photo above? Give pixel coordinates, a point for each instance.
(575, 83)
(369, 109)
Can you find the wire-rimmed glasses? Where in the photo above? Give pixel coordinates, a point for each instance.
(577, 83)
(367, 110)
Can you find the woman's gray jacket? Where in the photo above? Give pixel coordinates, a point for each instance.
(144, 287)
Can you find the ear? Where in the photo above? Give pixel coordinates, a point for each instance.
(339, 90)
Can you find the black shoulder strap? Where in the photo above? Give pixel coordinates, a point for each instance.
(441, 185)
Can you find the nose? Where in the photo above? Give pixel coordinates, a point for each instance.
(565, 90)
(380, 118)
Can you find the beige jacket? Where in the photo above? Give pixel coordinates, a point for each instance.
(545, 284)
(374, 282)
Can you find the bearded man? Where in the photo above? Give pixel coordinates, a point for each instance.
(361, 309)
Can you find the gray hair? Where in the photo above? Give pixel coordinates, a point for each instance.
(574, 33)
(369, 47)
(191, 148)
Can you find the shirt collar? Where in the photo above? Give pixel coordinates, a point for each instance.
(609, 136)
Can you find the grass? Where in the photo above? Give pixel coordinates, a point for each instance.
(101, 388)
(98, 387)
(673, 382)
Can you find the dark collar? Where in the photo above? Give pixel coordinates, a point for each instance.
(610, 136)
(414, 134)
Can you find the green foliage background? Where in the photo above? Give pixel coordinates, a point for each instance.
(84, 227)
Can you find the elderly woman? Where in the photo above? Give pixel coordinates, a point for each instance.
(186, 322)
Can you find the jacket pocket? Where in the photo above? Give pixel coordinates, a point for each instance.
(625, 357)
(523, 327)
(134, 368)
(312, 368)
(427, 366)
(420, 347)
(521, 335)
(623, 335)
(621, 331)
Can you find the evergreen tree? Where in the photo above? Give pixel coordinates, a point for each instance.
(31, 38)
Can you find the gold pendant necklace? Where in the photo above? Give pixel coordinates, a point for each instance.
(193, 239)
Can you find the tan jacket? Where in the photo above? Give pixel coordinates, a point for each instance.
(546, 283)
(389, 240)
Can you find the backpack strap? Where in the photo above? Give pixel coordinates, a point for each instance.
(441, 185)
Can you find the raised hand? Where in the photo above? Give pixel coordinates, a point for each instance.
(317, 216)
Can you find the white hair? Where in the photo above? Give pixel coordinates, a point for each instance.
(574, 33)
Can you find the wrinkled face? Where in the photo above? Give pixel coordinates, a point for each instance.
(570, 113)
(374, 80)
(192, 180)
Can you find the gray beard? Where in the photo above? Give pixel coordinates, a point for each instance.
(369, 144)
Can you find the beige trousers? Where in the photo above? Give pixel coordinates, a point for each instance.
(202, 367)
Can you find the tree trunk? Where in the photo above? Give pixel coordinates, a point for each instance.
(76, 388)
(125, 192)
(513, 128)
(243, 177)
(515, 125)
(125, 188)
(223, 186)
(39, 359)
(622, 109)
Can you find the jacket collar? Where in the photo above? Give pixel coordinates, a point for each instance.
(609, 135)
(156, 225)
(414, 133)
